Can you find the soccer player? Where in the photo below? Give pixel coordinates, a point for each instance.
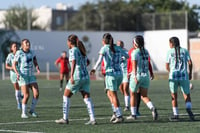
(139, 78)
(25, 59)
(111, 55)
(124, 85)
(129, 67)
(13, 76)
(176, 64)
(79, 80)
(64, 68)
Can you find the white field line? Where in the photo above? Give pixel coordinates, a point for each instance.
(15, 131)
(82, 119)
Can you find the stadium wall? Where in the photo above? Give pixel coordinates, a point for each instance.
(49, 45)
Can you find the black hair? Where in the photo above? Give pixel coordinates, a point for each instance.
(139, 41)
(109, 40)
(175, 42)
(81, 47)
(73, 39)
(11, 44)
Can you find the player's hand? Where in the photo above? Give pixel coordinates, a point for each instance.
(92, 72)
(18, 76)
(152, 77)
(136, 81)
(72, 80)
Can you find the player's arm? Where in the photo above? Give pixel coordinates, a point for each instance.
(8, 67)
(72, 71)
(167, 67)
(36, 64)
(15, 69)
(151, 69)
(97, 64)
(134, 70)
(190, 69)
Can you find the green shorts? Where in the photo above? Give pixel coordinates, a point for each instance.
(143, 82)
(183, 84)
(125, 78)
(26, 80)
(113, 82)
(13, 77)
(79, 85)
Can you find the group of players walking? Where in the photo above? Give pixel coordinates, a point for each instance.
(130, 71)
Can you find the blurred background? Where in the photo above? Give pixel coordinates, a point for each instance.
(47, 25)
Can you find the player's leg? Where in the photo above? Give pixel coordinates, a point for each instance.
(35, 89)
(126, 95)
(18, 95)
(25, 91)
(61, 81)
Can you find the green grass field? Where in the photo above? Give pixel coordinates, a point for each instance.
(49, 108)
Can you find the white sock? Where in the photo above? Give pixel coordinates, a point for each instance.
(113, 108)
(18, 96)
(126, 100)
(90, 108)
(175, 110)
(34, 103)
(66, 104)
(188, 105)
(118, 112)
(150, 105)
(133, 110)
(24, 108)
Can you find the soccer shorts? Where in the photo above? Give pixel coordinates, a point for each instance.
(13, 77)
(183, 84)
(113, 82)
(79, 85)
(26, 80)
(143, 82)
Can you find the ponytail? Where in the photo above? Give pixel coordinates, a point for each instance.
(175, 42)
(109, 40)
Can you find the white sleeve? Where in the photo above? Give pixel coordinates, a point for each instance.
(98, 61)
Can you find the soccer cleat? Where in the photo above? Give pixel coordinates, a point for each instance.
(62, 121)
(191, 115)
(154, 114)
(91, 122)
(24, 116)
(33, 114)
(126, 108)
(131, 117)
(119, 119)
(113, 118)
(174, 118)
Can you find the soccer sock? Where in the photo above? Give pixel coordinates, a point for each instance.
(90, 108)
(133, 110)
(66, 104)
(24, 108)
(113, 108)
(61, 83)
(150, 105)
(18, 96)
(138, 101)
(126, 100)
(118, 112)
(175, 110)
(188, 105)
(34, 103)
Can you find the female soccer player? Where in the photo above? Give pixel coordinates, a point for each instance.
(124, 85)
(79, 80)
(129, 67)
(13, 76)
(111, 55)
(176, 64)
(64, 68)
(139, 78)
(25, 59)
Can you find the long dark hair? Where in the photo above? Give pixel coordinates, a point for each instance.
(11, 44)
(139, 41)
(81, 47)
(73, 39)
(109, 40)
(175, 42)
